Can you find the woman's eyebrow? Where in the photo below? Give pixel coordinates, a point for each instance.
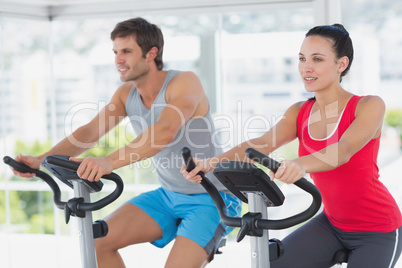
(314, 54)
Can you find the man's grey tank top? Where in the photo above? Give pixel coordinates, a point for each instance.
(197, 134)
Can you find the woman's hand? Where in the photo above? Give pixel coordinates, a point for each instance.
(203, 165)
(93, 168)
(288, 172)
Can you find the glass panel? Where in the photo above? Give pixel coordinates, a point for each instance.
(376, 31)
(260, 79)
(2, 209)
(191, 45)
(24, 75)
(31, 212)
(24, 81)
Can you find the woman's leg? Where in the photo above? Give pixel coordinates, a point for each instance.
(373, 250)
(311, 246)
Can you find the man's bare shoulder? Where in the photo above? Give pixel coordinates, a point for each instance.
(185, 82)
(121, 94)
(124, 89)
(186, 77)
(126, 86)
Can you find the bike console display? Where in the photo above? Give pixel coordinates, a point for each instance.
(65, 170)
(242, 178)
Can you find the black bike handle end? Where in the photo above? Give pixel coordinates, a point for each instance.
(20, 167)
(186, 152)
(7, 159)
(188, 159)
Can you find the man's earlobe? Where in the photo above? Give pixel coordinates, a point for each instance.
(152, 53)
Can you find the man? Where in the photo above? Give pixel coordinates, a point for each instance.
(168, 110)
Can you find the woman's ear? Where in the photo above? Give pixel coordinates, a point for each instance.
(343, 64)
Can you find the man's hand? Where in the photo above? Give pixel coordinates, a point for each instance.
(30, 161)
(93, 168)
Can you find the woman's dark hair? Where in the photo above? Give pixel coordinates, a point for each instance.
(146, 34)
(342, 44)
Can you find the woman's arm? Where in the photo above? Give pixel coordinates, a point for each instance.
(280, 134)
(367, 125)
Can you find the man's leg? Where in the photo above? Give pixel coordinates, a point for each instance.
(200, 229)
(127, 225)
(186, 253)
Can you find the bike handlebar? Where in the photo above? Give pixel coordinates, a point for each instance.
(301, 183)
(259, 223)
(55, 187)
(211, 190)
(40, 174)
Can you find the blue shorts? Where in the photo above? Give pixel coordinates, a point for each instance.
(192, 216)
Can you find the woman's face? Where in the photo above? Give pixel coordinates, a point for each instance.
(318, 66)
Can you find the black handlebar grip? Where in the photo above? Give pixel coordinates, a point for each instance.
(301, 183)
(18, 166)
(262, 159)
(260, 223)
(188, 159)
(62, 162)
(55, 188)
(100, 203)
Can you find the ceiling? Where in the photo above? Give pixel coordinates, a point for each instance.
(61, 9)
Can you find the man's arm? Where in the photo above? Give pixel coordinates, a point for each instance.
(86, 136)
(185, 98)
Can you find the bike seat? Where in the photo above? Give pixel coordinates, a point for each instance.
(341, 256)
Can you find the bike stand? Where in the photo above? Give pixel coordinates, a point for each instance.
(85, 228)
(253, 186)
(259, 245)
(80, 206)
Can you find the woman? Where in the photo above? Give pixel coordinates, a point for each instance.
(339, 136)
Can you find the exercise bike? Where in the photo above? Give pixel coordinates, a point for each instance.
(80, 206)
(253, 186)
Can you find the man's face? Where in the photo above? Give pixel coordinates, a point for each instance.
(128, 58)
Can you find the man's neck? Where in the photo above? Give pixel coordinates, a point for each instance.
(150, 86)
